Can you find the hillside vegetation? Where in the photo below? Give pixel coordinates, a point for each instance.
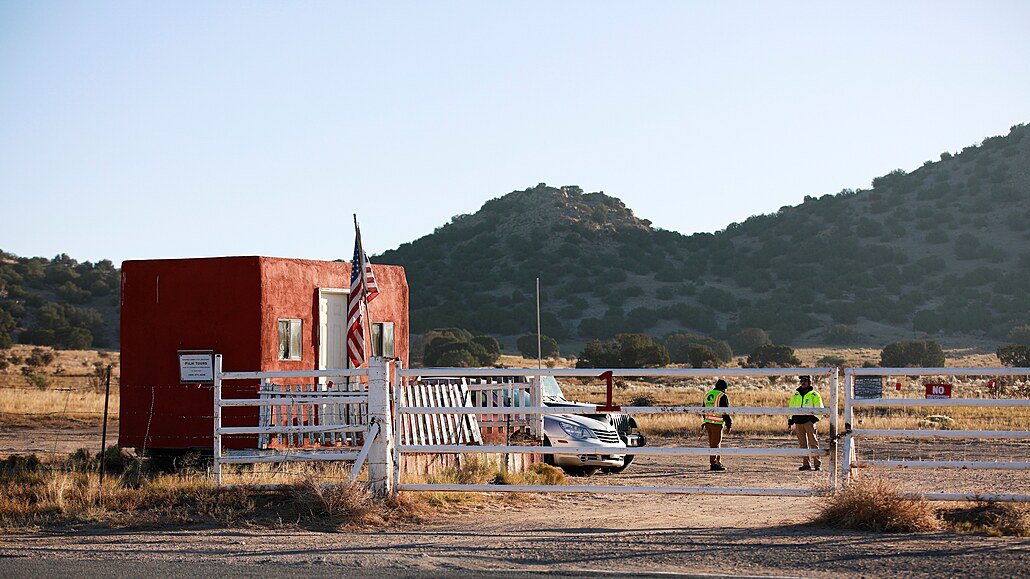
(941, 251)
(59, 302)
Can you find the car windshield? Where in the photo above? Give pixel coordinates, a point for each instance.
(550, 389)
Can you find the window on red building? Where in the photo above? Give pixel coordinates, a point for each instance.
(289, 339)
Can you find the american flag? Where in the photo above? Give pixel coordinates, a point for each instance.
(363, 289)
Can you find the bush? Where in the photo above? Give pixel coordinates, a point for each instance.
(748, 340)
(680, 346)
(527, 346)
(39, 357)
(1015, 355)
(773, 356)
(451, 351)
(912, 354)
(702, 357)
(625, 351)
(876, 505)
(37, 379)
(420, 342)
(491, 345)
(460, 358)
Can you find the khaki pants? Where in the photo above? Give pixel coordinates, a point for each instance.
(807, 439)
(714, 440)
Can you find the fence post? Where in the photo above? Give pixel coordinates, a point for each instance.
(217, 441)
(380, 455)
(397, 383)
(849, 392)
(833, 429)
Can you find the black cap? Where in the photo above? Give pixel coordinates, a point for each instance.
(805, 379)
(720, 384)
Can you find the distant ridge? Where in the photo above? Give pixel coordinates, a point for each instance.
(941, 251)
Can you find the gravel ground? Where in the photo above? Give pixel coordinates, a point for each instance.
(565, 535)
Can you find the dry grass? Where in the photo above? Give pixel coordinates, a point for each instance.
(995, 519)
(37, 494)
(872, 504)
(65, 392)
(480, 470)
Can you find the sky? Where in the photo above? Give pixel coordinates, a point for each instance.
(147, 130)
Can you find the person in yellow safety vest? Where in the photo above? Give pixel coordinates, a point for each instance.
(713, 423)
(804, 424)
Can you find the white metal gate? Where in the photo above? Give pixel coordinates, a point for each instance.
(853, 435)
(315, 419)
(405, 411)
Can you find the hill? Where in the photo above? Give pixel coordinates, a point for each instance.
(58, 302)
(943, 251)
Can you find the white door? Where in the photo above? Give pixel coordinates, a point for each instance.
(332, 331)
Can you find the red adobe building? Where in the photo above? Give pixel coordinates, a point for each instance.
(259, 313)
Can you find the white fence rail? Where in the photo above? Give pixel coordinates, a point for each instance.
(310, 421)
(406, 411)
(355, 422)
(851, 458)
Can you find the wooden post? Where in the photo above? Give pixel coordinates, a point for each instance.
(103, 432)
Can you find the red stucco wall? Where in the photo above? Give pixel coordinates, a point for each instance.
(392, 305)
(231, 305)
(291, 291)
(182, 304)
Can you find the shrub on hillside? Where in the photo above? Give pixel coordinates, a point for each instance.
(702, 357)
(773, 356)
(527, 346)
(748, 340)
(1015, 355)
(680, 346)
(490, 344)
(457, 348)
(912, 354)
(624, 351)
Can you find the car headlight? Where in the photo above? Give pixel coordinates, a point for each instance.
(577, 431)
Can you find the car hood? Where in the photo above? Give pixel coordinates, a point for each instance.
(579, 420)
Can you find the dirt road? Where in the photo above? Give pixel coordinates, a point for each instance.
(577, 534)
(571, 535)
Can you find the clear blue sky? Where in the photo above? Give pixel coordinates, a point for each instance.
(139, 130)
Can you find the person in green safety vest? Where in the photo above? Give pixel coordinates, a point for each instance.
(713, 423)
(803, 425)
